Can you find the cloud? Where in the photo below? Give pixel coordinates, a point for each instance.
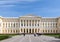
(5, 3)
(19, 0)
(6, 6)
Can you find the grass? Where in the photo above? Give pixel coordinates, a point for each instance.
(54, 35)
(5, 36)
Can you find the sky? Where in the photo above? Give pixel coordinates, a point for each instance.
(43, 8)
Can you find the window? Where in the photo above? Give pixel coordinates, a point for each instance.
(24, 22)
(21, 24)
(56, 31)
(14, 24)
(21, 20)
(56, 24)
(30, 24)
(6, 25)
(51, 30)
(27, 22)
(38, 24)
(43, 30)
(11, 31)
(14, 31)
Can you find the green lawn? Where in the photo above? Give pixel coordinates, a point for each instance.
(5, 36)
(54, 35)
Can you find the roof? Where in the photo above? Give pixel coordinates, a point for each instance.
(30, 15)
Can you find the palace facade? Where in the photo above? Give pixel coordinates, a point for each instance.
(29, 24)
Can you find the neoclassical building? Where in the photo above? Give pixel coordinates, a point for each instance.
(29, 24)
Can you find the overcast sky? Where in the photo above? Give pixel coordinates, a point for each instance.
(16, 8)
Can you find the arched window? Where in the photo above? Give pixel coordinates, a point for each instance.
(24, 30)
(14, 31)
(56, 31)
(11, 31)
(43, 30)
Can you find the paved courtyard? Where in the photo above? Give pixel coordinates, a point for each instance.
(31, 38)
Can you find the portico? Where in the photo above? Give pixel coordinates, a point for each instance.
(30, 30)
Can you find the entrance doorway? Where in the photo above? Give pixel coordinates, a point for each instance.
(29, 30)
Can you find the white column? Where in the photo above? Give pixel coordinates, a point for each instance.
(10, 25)
(34, 23)
(34, 30)
(37, 30)
(1, 24)
(5, 24)
(20, 30)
